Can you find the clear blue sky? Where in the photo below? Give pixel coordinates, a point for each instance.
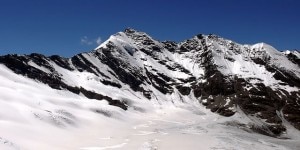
(68, 27)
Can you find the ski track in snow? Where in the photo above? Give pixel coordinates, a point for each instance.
(155, 134)
(106, 147)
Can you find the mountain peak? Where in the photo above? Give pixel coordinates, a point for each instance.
(131, 68)
(130, 30)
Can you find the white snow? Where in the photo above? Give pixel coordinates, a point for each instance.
(31, 63)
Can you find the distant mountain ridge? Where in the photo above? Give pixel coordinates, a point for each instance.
(220, 74)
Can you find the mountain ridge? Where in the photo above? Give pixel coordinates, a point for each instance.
(220, 74)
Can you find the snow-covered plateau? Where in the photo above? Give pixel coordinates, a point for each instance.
(136, 93)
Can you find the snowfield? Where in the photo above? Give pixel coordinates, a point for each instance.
(34, 116)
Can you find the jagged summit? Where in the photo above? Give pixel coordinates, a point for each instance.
(131, 68)
(130, 30)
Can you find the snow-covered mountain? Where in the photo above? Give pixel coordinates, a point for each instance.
(246, 89)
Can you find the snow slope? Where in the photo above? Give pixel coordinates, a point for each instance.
(38, 117)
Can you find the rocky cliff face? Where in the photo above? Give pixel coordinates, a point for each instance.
(222, 75)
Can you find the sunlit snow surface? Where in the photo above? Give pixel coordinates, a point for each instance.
(36, 117)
